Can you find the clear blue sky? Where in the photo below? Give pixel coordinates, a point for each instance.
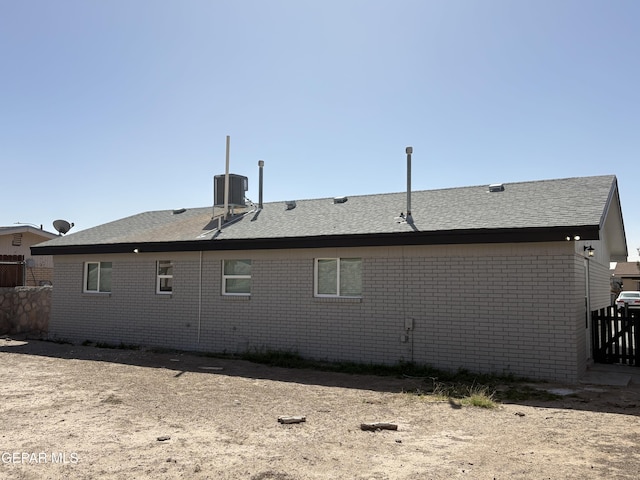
(112, 108)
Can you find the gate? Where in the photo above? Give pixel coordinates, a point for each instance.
(616, 336)
(11, 270)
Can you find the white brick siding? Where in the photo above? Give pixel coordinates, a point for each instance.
(516, 308)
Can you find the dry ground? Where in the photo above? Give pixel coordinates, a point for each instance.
(86, 413)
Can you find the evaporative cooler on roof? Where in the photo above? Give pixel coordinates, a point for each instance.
(238, 185)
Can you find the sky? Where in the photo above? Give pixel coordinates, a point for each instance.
(113, 108)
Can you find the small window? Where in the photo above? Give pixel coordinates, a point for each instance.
(164, 283)
(97, 277)
(338, 277)
(236, 277)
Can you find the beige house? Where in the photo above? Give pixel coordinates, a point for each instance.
(494, 279)
(628, 274)
(17, 266)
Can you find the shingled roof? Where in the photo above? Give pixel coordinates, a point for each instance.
(527, 211)
(627, 269)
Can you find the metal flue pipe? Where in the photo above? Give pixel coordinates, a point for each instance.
(261, 166)
(409, 151)
(226, 182)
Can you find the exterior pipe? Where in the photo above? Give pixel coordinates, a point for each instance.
(261, 166)
(199, 299)
(409, 151)
(226, 182)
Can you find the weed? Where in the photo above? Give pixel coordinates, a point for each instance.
(520, 393)
(461, 387)
(60, 341)
(120, 346)
(479, 396)
(162, 350)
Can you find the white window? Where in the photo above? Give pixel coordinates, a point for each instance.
(164, 282)
(338, 277)
(236, 277)
(97, 277)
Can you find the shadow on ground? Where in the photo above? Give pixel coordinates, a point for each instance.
(614, 399)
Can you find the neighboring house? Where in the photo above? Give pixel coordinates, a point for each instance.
(17, 266)
(486, 278)
(628, 275)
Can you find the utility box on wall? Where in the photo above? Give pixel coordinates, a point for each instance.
(238, 185)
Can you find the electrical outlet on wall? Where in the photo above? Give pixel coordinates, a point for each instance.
(408, 323)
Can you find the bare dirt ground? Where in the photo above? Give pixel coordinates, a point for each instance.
(86, 413)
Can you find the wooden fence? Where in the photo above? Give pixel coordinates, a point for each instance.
(616, 336)
(11, 270)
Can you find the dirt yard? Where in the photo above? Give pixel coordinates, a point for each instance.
(86, 413)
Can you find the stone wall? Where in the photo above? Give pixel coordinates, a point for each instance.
(25, 310)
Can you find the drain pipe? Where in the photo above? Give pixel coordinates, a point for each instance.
(409, 151)
(261, 166)
(200, 299)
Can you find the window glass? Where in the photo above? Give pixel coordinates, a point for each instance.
(237, 267)
(238, 285)
(165, 267)
(350, 277)
(92, 277)
(339, 277)
(105, 276)
(328, 276)
(165, 284)
(165, 277)
(98, 277)
(236, 277)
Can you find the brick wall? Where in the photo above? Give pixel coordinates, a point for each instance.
(491, 308)
(38, 276)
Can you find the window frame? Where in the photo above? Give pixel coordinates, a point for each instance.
(338, 294)
(160, 277)
(85, 280)
(226, 276)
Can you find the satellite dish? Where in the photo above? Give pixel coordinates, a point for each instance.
(62, 226)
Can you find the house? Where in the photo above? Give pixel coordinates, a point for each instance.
(491, 278)
(17, 266)
(628, 275)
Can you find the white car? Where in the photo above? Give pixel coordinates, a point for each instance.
(630, 299)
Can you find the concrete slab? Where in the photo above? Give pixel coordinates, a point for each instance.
(603, 378)
(611, 375)
(563, 392)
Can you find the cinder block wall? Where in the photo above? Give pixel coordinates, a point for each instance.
(491, 308)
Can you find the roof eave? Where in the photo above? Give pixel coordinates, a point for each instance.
(28, 229)
(618, 247)
(444, 237)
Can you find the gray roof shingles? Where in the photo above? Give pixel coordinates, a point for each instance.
(548, 203)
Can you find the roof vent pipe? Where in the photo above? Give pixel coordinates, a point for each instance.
(261, 166)
(226, 182)
(409, 151)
